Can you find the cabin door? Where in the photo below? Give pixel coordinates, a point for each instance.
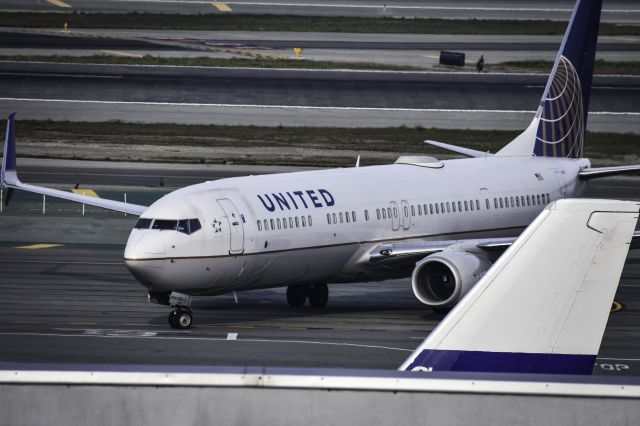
(395, 216)
(234, 222)
(406, 215)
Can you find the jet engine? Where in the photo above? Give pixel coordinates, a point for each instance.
(440, 280)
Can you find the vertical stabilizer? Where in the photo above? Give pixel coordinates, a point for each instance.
(558, 127)
(543, 306)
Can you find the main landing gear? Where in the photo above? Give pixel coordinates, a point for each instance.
(318, 295)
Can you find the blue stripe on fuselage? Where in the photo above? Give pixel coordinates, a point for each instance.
(502, 362)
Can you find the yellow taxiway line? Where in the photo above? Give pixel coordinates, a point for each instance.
(222, 7)
(87, 192)
(39, 246)
(59, 3)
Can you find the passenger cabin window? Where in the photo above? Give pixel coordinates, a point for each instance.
(304, 221)
(143, 223)
(329, 218)
(366, 215)
(309, 219)
(259, 226)
(353, 216)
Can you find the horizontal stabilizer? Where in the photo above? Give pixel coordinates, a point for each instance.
(543, 306)
(9, 178)
(458, 149)
(597, 172)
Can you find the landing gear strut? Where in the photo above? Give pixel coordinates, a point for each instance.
(318, 295)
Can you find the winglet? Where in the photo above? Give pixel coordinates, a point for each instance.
(543, 306)
(9, 155)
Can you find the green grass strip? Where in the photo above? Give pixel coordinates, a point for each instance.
(240, 22)
(204, 61)
(298, 146)
(602, 67)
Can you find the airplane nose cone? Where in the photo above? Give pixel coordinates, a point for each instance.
(142, 245)
(144, 257)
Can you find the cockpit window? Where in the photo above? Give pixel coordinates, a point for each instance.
(194, 225)
(183, 226)
(186, 226)
(163, 225)
(143, 223)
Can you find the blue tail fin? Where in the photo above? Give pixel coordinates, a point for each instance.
(560, 121)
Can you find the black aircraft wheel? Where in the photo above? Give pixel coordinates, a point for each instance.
(181, 319)
(296, 295)
(318, 295)
(172, 318)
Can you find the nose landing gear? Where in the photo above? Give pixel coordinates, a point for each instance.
(181, 318)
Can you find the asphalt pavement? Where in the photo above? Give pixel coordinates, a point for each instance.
(617, 11)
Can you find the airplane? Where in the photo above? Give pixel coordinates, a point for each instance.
(443, 223)
(543, 305)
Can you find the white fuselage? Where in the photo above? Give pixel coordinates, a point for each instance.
(319, 226)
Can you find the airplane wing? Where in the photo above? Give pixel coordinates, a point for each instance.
(412, 251)
(409, 252)
(458, 149)
(9, 178)
(597, 172)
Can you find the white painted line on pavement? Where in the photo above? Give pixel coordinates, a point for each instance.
(300, 107)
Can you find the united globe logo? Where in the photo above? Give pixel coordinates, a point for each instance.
(561, 128)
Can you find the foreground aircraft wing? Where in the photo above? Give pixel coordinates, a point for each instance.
(458, 149)
(9, 178)
(543, 306)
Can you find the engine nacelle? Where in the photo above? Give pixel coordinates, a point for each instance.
(441, 279)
